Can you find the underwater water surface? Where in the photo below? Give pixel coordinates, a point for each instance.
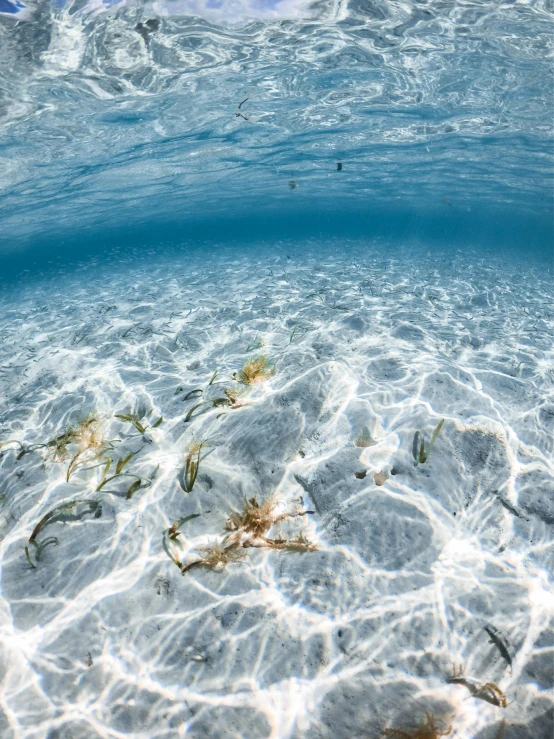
(276, 369)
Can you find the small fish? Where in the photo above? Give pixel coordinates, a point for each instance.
(500, 643)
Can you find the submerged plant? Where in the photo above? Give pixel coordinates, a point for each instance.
(258, 343)
(256, 370)
(293, 333)
(253, 523)
(69, 508)
(488, 692)
(136, 419)
(172, 535)
(421, 454)
(316, 296)
(298, 543)
(232, 399)
(118, 473)
(431, 728)
(84, 441)
(216, 556)
(248, 528)
(255, 519)
(199, 392)
(22, 449)
(192, 463)
(85, 436)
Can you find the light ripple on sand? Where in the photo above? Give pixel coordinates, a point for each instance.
(350, 638)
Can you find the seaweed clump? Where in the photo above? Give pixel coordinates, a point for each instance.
(255, 370)
(83, 442)
(488, 692)
(85, 435)
(216, 556)
(254, 522)
(247, 528)
(431, 728)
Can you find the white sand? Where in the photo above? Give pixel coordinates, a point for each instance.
(105, 638)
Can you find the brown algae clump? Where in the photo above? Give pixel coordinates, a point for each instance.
(488, 692)
(256, 370)
(84, 442)
(85, 435)
(216, 556)
(248, 528)
(253, 523)
(255, 519)
(431, 728)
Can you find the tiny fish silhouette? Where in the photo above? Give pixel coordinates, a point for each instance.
(499, 643)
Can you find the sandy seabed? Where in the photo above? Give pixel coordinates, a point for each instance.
(401, 575)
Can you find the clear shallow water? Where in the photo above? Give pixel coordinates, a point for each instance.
(153, 232)
(105, 638)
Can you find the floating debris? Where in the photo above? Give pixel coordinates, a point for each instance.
(240, 115)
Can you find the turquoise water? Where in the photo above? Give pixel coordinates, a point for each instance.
(440, 113)
(276, 369)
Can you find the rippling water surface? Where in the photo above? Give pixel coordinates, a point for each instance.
(128, 112)
(276, 369)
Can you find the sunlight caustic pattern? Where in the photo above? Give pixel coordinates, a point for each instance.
(423, 601)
